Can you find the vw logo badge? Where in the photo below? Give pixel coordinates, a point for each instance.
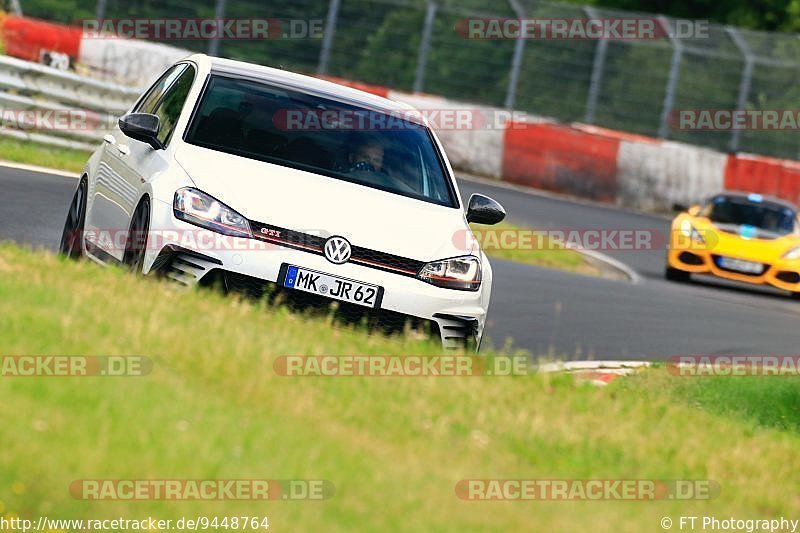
(337, 250)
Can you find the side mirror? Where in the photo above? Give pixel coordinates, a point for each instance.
(694, 210)
(142, 127)
(484, 210)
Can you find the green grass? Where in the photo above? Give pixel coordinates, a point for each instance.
(38, 154)
(393, 447)
(549, 255)
(769, 402)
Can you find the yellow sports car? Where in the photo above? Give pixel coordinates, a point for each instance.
(738, 236)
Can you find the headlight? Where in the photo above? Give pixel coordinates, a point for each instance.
(794, 253)
(461, 273)
(689, 231)
(200, 209)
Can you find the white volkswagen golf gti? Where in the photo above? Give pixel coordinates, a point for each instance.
(235, 174)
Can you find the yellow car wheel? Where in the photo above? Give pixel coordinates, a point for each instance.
(673, 274)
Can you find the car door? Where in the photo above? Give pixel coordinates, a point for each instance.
(142, 162)
(120, 172)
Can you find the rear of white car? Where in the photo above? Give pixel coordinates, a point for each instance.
(384, 234)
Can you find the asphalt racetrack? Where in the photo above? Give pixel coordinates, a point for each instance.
(544, 311)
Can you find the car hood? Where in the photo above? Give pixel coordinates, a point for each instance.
(725, 241)
(324, 206)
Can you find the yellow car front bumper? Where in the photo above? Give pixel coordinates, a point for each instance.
(782, 274)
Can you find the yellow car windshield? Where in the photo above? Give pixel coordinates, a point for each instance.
(766, 216)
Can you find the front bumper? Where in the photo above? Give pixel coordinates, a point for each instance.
(781, 274)
(248, 265)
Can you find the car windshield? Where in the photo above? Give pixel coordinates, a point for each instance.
(308, 132)
(766, 216)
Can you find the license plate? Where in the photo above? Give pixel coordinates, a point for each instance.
(338, 288)
(740, 265)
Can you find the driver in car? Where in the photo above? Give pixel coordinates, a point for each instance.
(367, 161)
(368, 156)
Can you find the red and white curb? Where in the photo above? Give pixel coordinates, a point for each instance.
(599, 373)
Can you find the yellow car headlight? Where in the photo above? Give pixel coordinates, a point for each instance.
(689, 231)
(793, 253)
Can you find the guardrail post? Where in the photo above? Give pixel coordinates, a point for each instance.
(424, 46)
(516, 61)
(219, 13)
(598, 69)
(744, 84)
(327, 39)
(672, 81)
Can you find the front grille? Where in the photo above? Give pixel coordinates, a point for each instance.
(232, 282)
(182, 265)
(457, 331)
(315, 244)
(384, 261)
(342, 312)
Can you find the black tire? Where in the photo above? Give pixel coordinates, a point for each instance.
(673, 274)
(136, 245)
(72, 236)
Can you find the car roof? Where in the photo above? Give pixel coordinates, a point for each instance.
(765, 198)
(302, 83)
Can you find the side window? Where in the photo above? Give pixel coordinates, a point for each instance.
(169, 109)
(154, 94)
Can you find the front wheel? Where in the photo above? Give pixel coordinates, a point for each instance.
(137, 237)
(673, 274)
(72, 236)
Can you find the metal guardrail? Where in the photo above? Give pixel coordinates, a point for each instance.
(46, 91)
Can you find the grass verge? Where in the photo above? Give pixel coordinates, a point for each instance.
(766, 402)
(547, 254)
(393, 447)
(31, 153)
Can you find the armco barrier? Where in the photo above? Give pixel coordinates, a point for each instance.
(26, 38)
(764, 175)
(654, 175)
(561, 158)
(127, 61)
(27, 86)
